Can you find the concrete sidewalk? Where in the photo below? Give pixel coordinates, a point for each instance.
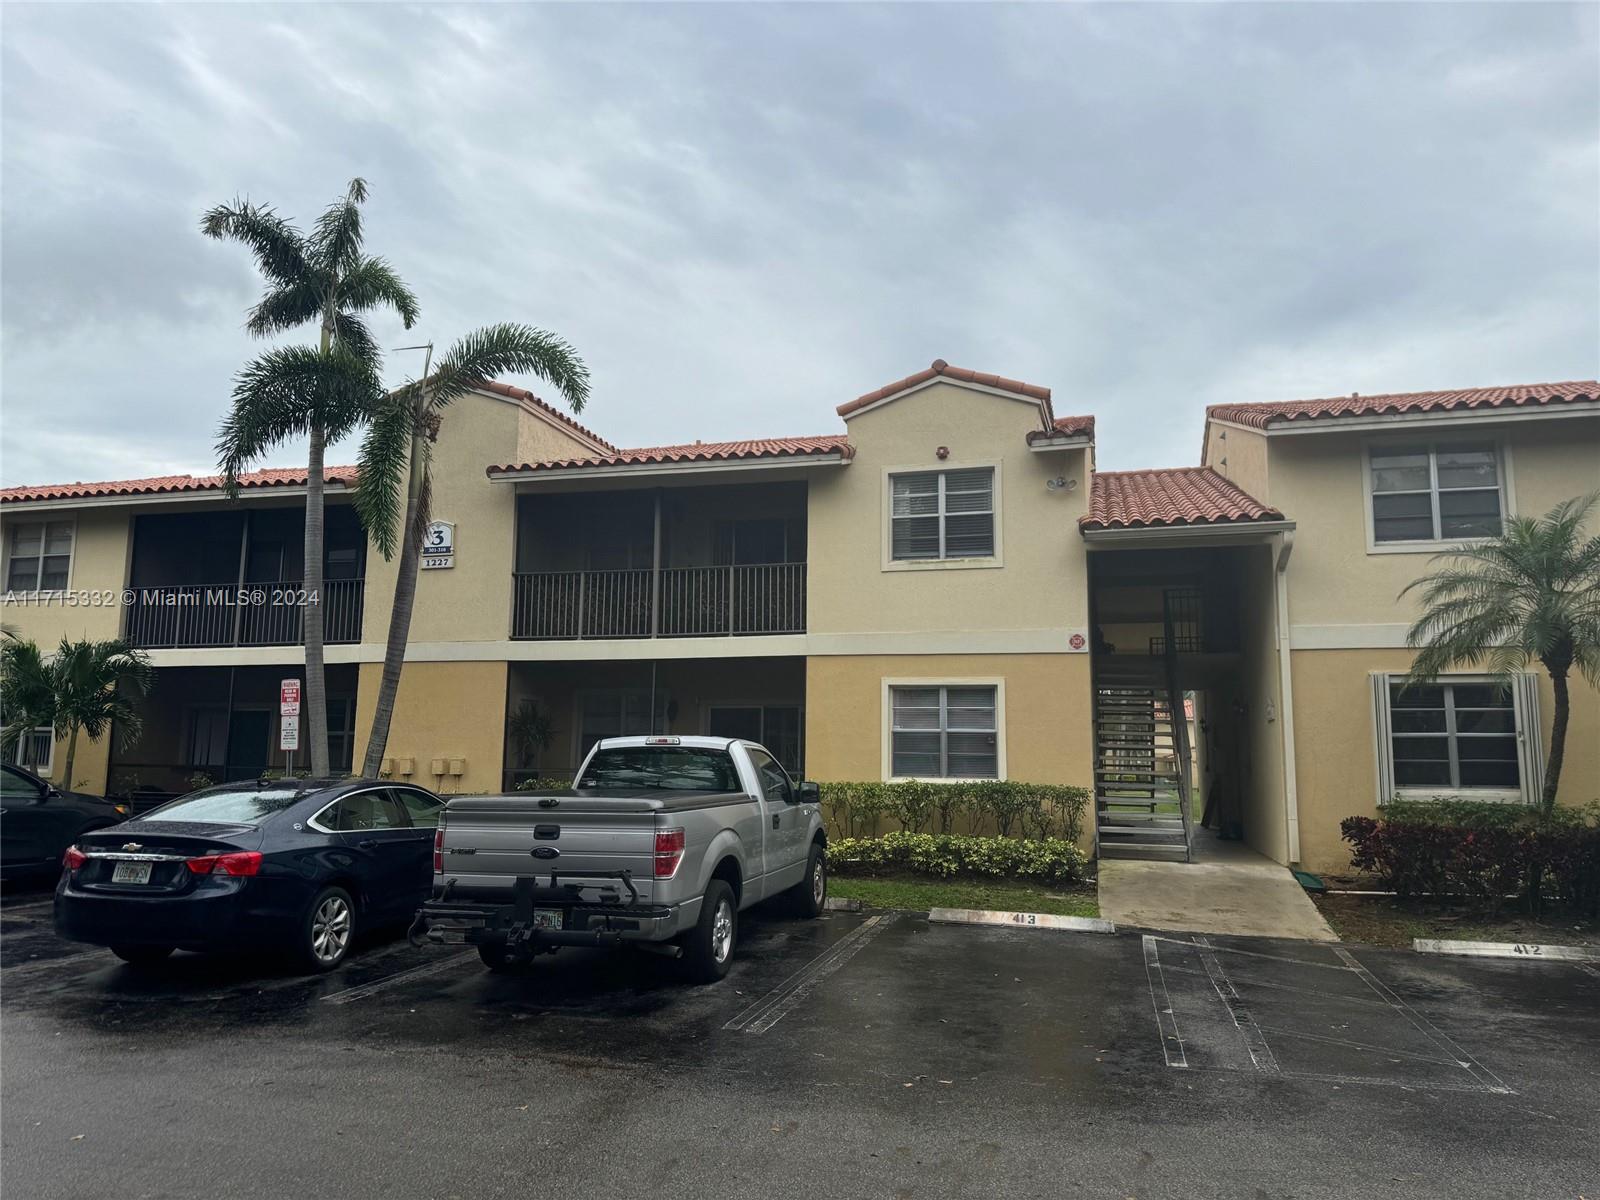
(1228, 888)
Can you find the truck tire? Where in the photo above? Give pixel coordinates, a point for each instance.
(807, 897)
(708, 947)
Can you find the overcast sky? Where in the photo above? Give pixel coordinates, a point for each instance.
(744, 216)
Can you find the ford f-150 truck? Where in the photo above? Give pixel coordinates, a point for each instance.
(660, 843)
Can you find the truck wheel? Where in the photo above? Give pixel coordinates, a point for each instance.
(807, 897)
(708, 949)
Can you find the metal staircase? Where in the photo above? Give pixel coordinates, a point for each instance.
(1141, 773)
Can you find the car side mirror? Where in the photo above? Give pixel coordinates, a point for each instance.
(810, 793)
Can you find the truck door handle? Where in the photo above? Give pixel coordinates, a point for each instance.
(366, 843)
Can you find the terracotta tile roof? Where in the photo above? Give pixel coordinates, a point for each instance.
(1260, 416)
(940, 367)
(160, 485)
(515, 393)
(1174, 496)
(832, 443)
(1066, 427)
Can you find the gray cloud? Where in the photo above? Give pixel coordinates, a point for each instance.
(744, 216)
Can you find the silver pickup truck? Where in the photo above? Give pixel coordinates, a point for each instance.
(660, 843)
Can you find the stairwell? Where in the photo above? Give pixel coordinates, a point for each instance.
(1141, 761)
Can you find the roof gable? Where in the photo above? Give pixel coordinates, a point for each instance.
(943, 371)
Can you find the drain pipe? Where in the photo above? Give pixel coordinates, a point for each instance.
(1291, 794)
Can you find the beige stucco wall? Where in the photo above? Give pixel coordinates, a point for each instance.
(1261, 771)
(443, 710)
(1241, 455)
(1317, 481)
(1042, 584)
(1047, 727)
(1334, 745)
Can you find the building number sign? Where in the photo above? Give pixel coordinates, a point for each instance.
(439, 546)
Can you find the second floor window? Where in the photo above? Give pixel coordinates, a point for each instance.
(1436, 493)
(942, 514)
(39, 557)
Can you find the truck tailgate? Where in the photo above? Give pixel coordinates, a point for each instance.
(491, 840)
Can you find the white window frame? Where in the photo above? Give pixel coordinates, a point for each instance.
(1432, 442)
(998, 683)
(45, 769)
(44, 519)
(980, 562)
(1530, 742)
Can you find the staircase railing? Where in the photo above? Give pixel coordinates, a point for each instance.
(1178, 711)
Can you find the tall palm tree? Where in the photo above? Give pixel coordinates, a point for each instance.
(1531, 594)
(87, 686)
(320, 394)
(394, 489)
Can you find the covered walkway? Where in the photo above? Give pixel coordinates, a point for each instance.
(1228, 888)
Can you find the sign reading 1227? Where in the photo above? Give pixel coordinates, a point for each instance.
(439, 546)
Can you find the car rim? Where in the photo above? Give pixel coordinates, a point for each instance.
(818, 882)
(722, 932)
(330, 929)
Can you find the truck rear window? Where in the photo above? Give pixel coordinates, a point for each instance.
(677, 768)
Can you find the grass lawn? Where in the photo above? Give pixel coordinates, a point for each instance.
(919, 893)
(1384, 921)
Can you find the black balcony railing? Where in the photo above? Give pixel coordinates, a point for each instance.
(674, 602)
(173, 616)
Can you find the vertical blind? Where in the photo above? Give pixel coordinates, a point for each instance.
(942, 514)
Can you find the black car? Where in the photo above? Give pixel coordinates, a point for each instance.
(293, 865)
(38, 822)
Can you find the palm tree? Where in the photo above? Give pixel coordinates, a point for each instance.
(320, 394)
(1531, 594)
(88, 686)
(394, 488)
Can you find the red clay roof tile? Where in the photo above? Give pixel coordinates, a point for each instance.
(1066, 427)
(1174, 496)
(527, 397)
(832, 443)
(1260, 416)
(168, 484)
(940, 367)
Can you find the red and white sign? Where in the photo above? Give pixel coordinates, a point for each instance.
(289, 698)
(1077, 641)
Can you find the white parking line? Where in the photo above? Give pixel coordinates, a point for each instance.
(1254, 1040)
(781, 1000)
(1166, 1023)
(399, 977)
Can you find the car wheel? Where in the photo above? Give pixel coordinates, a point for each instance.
(708, 950)
(809, 895)
(142, 956)
(326, 932)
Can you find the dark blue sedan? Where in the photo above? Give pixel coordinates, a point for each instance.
(296, 865)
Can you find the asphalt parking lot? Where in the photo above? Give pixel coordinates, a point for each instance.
(860, 1055)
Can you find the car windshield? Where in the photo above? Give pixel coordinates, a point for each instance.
(678, 768)
(226, 806)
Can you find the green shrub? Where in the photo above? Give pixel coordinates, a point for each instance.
(1029, 810)
(555, 784)
(943, 855)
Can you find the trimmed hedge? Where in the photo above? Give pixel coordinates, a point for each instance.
(1483, 853)
(1027, 810)
(944, 855)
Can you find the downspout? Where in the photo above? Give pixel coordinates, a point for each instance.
(1291, 794)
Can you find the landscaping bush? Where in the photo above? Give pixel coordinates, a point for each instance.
(945, 855)
(1030, 810)
(1483, 853)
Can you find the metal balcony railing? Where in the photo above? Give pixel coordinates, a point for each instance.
(728, 601)
(175, 616)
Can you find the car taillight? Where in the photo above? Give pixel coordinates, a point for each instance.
(438, 851)
(73, 858)
(241, 862)
(669, 852)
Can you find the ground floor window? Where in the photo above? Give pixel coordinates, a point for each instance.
(35, 750)
(775, 726)
(944, 732)
(1467, 735)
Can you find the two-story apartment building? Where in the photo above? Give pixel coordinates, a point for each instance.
(945, 589)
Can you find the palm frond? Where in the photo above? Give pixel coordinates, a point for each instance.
(284, 393)
(279, 248)
(510, 349)
(352, 334)
(382, 471)
(287, 307)
(335, 241)
(372, 283)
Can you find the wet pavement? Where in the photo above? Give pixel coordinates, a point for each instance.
(861, 1055)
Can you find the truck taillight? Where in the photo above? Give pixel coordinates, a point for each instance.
(438, 851)
(669, 852)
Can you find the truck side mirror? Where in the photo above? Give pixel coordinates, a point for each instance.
(810, 793)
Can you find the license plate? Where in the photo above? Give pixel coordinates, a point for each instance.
(131, 872)
(547, 918)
